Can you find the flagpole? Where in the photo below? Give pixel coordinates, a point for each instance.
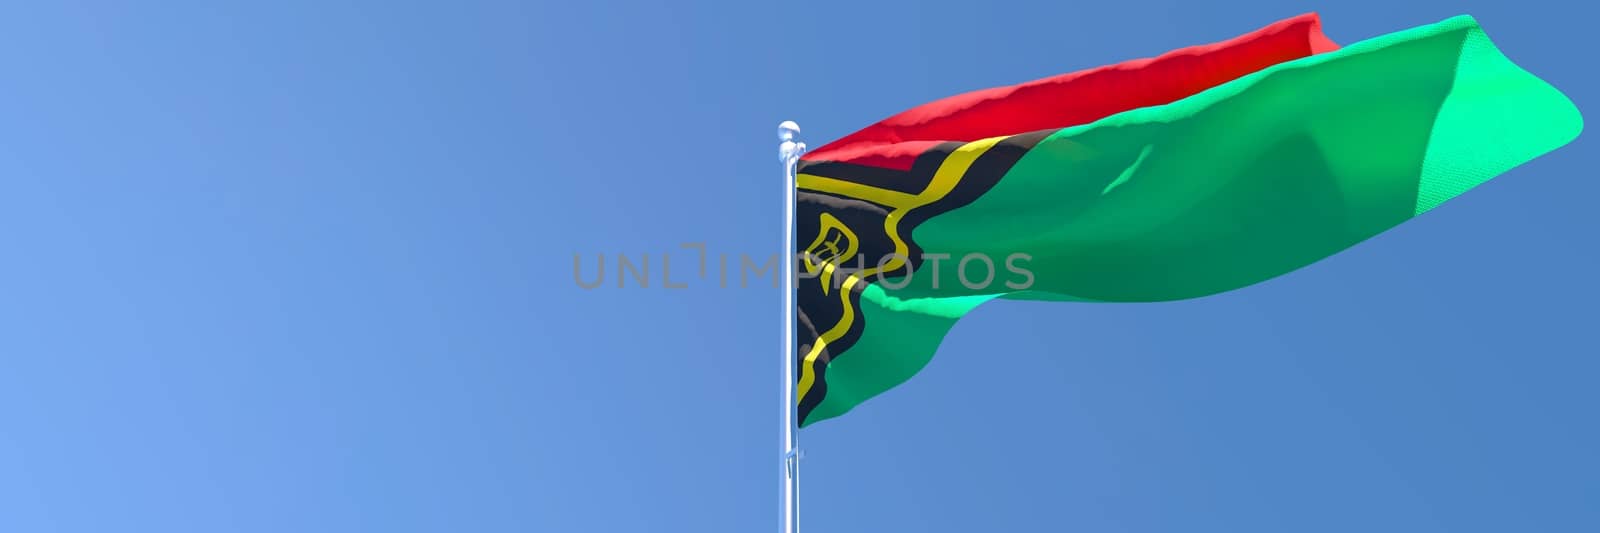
(789, 151)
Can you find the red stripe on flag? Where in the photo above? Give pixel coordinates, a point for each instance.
(1075, 98)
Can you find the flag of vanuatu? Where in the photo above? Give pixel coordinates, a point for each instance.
(1196, 172)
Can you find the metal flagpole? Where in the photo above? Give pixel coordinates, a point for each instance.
(789, 151)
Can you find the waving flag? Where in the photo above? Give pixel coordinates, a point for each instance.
(1200, 171)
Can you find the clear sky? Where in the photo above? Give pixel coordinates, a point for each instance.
(307, 266)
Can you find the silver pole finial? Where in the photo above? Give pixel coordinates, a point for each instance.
(789, 148)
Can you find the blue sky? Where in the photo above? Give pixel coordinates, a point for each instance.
(304, 266)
